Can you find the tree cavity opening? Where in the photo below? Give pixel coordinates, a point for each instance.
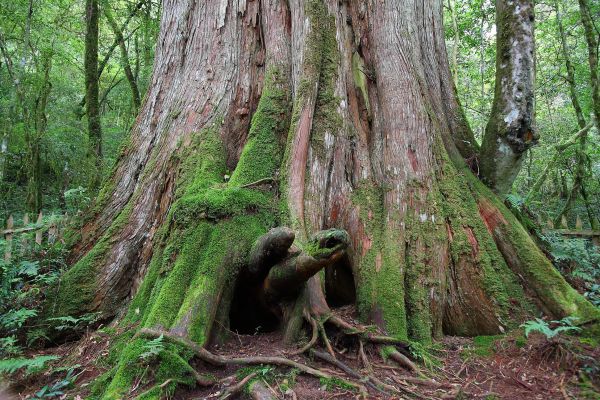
(248, 315)
(340, 288)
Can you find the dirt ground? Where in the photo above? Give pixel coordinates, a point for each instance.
(503, 367)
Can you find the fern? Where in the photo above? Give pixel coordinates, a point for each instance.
(543, 327)
(14, 319)
(9, 346)
(31, 365)
(69, 322)
(153, 348)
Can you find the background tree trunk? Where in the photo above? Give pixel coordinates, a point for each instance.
(510, 130)
(311, 114)
(591, 38)
(92, 90)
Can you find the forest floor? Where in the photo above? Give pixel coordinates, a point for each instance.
(485, 367)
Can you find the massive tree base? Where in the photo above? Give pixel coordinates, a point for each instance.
(312, 115)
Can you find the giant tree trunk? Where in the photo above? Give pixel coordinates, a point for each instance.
(311, 114)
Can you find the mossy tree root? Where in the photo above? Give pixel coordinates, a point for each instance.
(221, 361)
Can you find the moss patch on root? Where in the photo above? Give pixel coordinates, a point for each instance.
(76, 288)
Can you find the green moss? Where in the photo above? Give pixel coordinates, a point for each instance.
(360, 79)
(219, 202)
(170, 364)
(484, 346)
(461, 211)
(154, 393)
(173, 291)
(322, 39)
(100, 383)
(539, 273)
(380, 286)
(217, 267)
(261, 156)
(333, 383)
(127, 371)
(173, 366)
(75, 291)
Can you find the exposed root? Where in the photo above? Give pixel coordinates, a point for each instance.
(363, 357)
(202, 380)
(326, 340)
(313, 339)
(403, 361)
(218, 360)
(352, 373)
(423, 382)
(238, 387)
(370, 381)
(407, 390)
(365, 335)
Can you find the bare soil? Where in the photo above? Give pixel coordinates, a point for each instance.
(507, 367)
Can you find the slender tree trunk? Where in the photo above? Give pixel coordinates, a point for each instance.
(456, 44)
(580, 155)
(510, 130)
(131, 79)
(34, 163)
(592, 44)
(315, 115)
(559, 148)
(3, 152)
(92, 88)
(148, 38)
(112, 48)
(570, 69)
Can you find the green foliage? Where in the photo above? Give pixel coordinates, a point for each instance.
(24, 282)
(424, 354)
(539, 325)
(152, 349)
(76, 199)
(57, 388)
(14, 319)
(579, 260)
(334, 382)
(54, 34)
(555, 116)
(31, 365)
(74, 323)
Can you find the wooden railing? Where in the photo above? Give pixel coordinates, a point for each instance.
(49, 232)
(578, 231)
